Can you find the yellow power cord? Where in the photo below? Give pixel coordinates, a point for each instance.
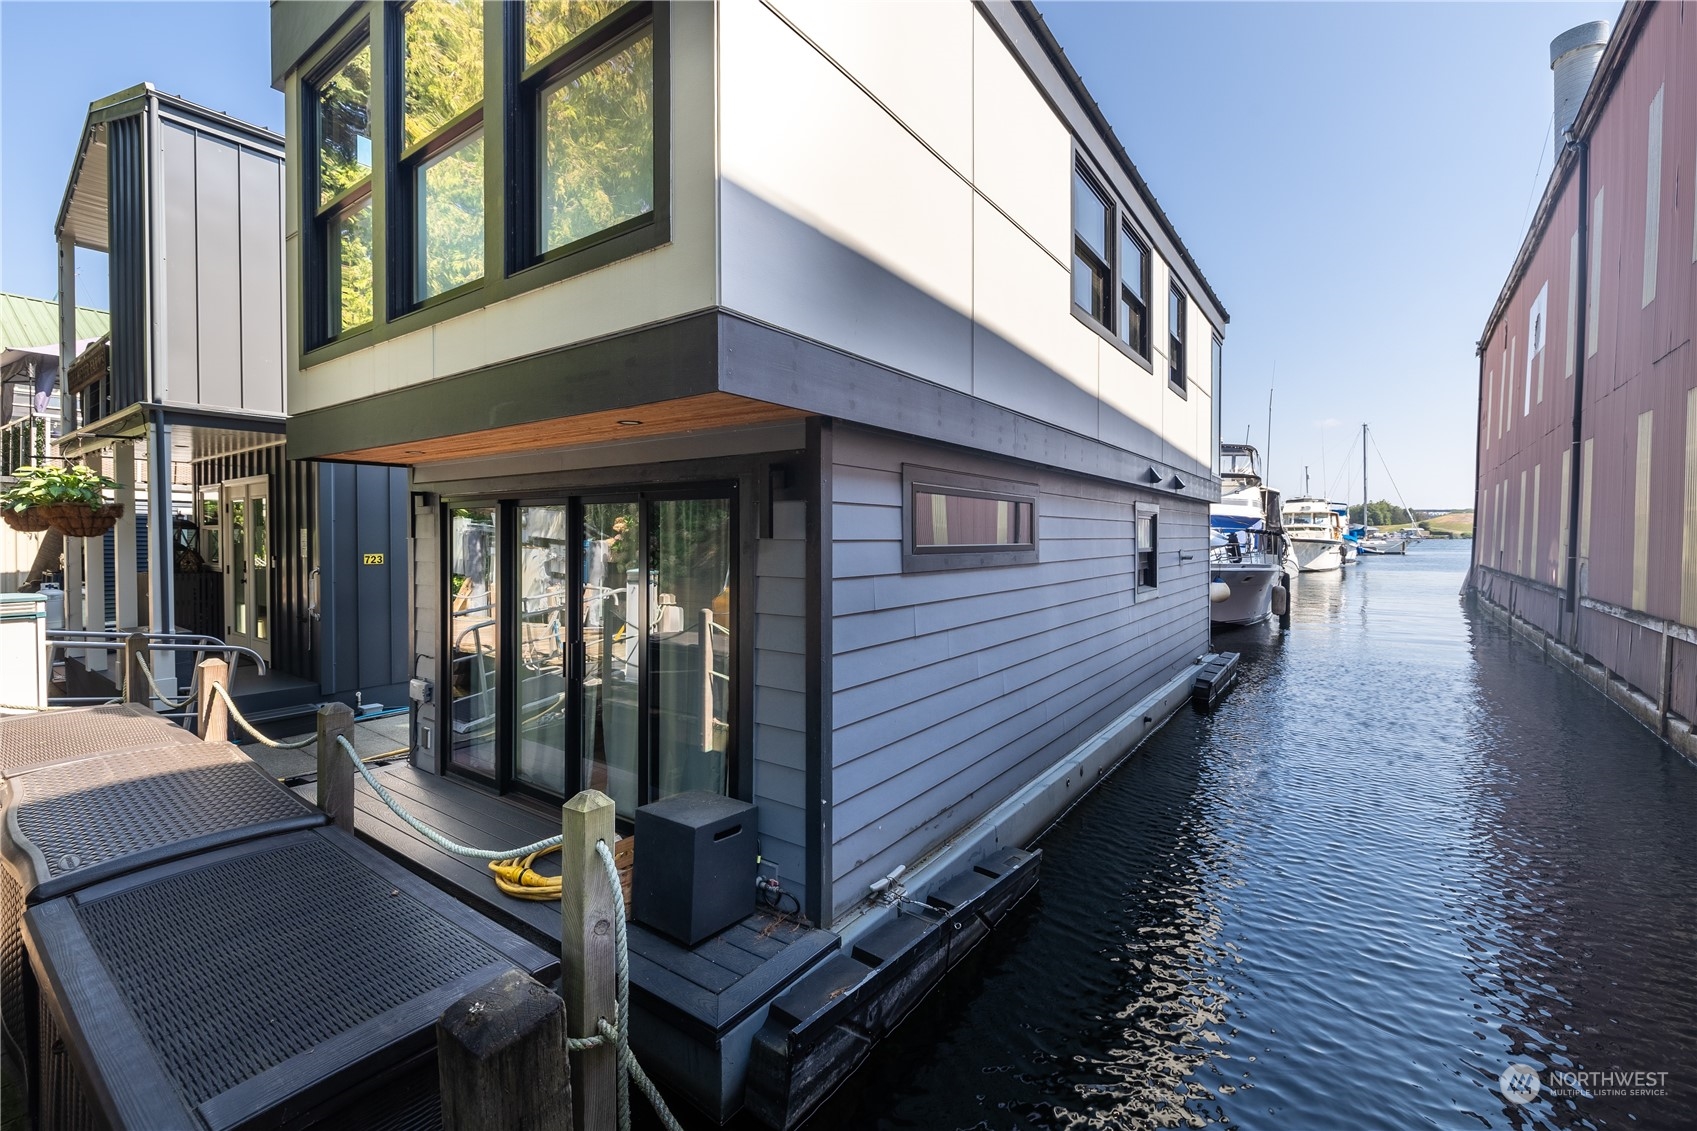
(515, 878)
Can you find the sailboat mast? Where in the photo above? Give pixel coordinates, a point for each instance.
(1364, 475)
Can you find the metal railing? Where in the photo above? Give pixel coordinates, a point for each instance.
(116, 642)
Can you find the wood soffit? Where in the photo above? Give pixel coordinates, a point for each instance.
(680, 417)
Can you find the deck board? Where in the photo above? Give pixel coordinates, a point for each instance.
(705, 989)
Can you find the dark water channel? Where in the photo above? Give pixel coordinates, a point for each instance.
(1403, 855)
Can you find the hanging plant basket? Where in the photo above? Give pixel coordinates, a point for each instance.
(74, 520)
(29, 521)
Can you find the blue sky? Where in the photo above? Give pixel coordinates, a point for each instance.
(1354, 180)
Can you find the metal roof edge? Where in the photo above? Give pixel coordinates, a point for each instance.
(1627, 27)
(1069, 74)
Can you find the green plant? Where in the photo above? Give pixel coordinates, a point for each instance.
(41, 486)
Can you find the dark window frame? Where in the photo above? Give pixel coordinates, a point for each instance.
(932, 480)
(503, 278)
(320, 305)
(1178, 368)
(1141, 346)
(506, 500)
(1121, 219)
(525, 85)
(1081, 249)
(1146, 578)
(403, 163)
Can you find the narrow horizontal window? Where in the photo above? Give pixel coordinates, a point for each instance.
(956, 521)
(943, 522)
(550, 25)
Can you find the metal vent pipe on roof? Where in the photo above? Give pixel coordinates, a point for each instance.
(1574, 55)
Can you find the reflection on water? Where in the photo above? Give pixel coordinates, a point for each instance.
(1403, 854)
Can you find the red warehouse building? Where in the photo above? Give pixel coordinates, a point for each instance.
(1586, 497)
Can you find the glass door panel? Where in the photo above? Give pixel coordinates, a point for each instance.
(259, 565)
(545, 611)
(474, 648)
(239, 613)
(611, 651)
(690, 627)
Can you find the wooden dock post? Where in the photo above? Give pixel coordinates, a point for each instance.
(589, 975)
(135, 674)
(212, 718)
(335, 768)
(501, 1054)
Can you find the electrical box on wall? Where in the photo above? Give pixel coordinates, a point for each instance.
(420, 691)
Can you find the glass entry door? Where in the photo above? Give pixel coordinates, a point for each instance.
(246, 529)
(623, 623)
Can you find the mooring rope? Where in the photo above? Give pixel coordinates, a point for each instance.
(607, 1033)
(254, 731)
(174, 704)
(431, 834)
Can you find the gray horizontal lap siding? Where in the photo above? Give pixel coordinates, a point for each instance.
(780, 700)
(953, 689)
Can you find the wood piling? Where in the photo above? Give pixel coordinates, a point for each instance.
(501, 1054)
(588, 957)
(335, 768)
(212, 718)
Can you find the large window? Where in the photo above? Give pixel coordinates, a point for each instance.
(1092, 227)
(585, 168)
(441, 144)
(341, 191)
(1134, 293)
(958, 521)
(1110, 265)
(1176, 315)
(621, 617)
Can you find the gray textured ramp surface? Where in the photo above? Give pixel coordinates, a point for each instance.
(276, 981)
(69, 824)
(57, 736)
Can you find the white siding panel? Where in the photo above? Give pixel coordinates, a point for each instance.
(1022, 154)
(838, 224)
(923, 74)
(1031, 354)
(1130, 394)
(181, 379)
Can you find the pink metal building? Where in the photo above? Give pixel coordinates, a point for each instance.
(1586, 497)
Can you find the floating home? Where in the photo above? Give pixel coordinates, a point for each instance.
(1586, 538)
(184, 404)
(792, 412)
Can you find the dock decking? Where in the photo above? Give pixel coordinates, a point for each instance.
(694, 1009)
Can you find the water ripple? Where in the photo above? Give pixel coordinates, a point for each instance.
(1404, 854)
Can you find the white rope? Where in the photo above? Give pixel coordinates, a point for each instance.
(252, 730)
(431, 834)
(160, 695)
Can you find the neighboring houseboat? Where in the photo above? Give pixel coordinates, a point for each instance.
(1587, 446)
(184, 404)
(1315, 534)
(799, 426)
(1248, 546)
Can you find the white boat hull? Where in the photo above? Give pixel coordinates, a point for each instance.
(1251, 599)
(1316, 555)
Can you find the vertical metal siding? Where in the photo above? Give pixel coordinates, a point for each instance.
(261, 276)
(127, 265)
(218, 280)
(181, 379)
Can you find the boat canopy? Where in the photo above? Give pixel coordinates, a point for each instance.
(1229, 522)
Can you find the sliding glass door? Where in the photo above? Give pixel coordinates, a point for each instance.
(622, 618)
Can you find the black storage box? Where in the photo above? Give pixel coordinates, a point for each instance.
(69, 824)
(694, 872)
